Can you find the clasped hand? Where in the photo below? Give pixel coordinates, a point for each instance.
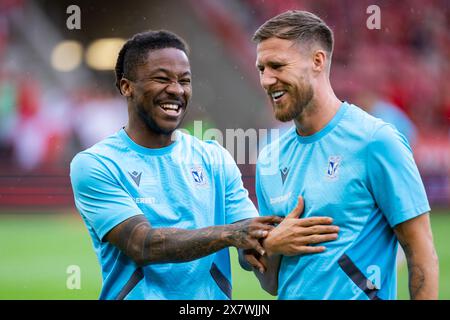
(294, 236)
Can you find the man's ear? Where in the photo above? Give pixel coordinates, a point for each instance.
(126, 89)
(319, 60)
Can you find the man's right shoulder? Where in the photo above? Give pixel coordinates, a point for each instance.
(96, 155)
(103, 148)
(84, 158)
(276, 143)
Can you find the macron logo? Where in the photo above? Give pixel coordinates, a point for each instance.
(284, 172)
(136, 176)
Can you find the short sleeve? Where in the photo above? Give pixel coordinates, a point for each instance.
(238, 205)
(98, 196)
(394, 179)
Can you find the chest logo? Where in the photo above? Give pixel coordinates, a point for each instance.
(284, 172)
(198, 175)
(136, 176)
(334, 163)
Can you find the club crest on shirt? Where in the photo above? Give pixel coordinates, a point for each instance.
(334, 163)
(198, 175)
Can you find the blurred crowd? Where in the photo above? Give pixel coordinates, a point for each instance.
(399, 73)
(41, 128)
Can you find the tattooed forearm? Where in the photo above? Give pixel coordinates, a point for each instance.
(144, 244)
(178, 245)
(416, 239)
(416, 280)
(416, 276)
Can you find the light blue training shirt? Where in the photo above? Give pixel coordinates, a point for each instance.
(189, 184)
(360, 171)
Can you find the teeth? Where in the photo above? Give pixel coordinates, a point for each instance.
(277, 94)
(170, 106)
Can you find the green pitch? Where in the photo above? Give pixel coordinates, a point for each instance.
(36, 251)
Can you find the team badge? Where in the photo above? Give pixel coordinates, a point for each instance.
(334, 163)
(198, 175)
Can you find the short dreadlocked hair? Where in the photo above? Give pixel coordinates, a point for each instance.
(135, 50)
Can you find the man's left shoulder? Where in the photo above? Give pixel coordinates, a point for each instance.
(209, 150)
(366, 128)
(362, 118)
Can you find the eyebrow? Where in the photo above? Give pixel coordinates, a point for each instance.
(271, 63)
(187, 73)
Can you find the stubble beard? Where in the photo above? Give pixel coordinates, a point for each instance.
(304, 98)
(151, 124)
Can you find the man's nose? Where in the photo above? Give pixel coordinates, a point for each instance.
(267, 79)
(175, 88)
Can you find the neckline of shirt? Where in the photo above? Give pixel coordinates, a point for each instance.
(325, 130)
(144, 150)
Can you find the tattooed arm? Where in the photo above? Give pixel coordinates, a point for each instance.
(145, 245)
(416, 240)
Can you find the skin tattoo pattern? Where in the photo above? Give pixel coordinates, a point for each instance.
(144, 244)
(415, 273)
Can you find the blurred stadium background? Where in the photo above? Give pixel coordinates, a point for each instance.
(57, 97)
